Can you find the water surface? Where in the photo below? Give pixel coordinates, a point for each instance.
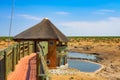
(81, 55)
(83, 65)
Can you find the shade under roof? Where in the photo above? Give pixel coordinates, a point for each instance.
(44, 30)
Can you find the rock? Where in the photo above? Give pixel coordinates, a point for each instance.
(63, 71)
(75, 47)
(117, 78)
(71, 78)
(95, 53)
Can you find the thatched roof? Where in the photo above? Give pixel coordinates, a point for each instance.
(44, 30)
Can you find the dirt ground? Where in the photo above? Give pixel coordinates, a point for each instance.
(78, 76)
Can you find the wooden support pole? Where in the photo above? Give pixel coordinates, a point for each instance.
(5, 62)
(14, 58)
(66, 59)
(19, 51)
(28, 47)
(35, 46)
(23, 50)
(38, 66)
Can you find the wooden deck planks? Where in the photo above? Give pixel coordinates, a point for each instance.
(25, 69)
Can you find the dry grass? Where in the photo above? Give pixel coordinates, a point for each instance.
(4, 44)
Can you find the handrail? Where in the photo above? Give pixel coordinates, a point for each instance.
(43, 63)
(42, 69)
(10, 56)
(40, 48)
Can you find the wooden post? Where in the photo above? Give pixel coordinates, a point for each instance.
(19, 51)
(5, 59)
(14, 58)
(23, 50)
(38, 66)
(28, 47)
(35, 46)
(66, 59)
(58, 61)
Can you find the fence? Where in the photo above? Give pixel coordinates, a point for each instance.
(11, 55)
(61, 55)
(42, 69)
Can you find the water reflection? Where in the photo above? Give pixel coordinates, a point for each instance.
(81, 55)
(83, 66)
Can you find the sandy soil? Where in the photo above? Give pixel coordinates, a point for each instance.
(79, 76)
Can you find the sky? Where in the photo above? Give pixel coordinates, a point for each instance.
(72, 17)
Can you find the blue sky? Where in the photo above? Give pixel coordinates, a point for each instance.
(72, 17)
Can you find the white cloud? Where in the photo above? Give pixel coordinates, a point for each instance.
(115, 19)
(62, 13)
(98, 13)
(104, 11)
(110, 26)
(29, 17)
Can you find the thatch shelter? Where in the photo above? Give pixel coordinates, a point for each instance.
(44, 30)
(47, 32)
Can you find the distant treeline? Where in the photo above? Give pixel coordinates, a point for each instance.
(93, 36)
(76, 37)
(5, 38)
(96, 38)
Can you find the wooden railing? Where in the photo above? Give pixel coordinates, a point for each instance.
(61, 55)
(10, 56)
(61, 50)
(42, 69)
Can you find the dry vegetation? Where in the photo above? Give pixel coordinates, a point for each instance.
(108, 50)
(4, 43)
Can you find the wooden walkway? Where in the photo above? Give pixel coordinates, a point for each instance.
(25, 69)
